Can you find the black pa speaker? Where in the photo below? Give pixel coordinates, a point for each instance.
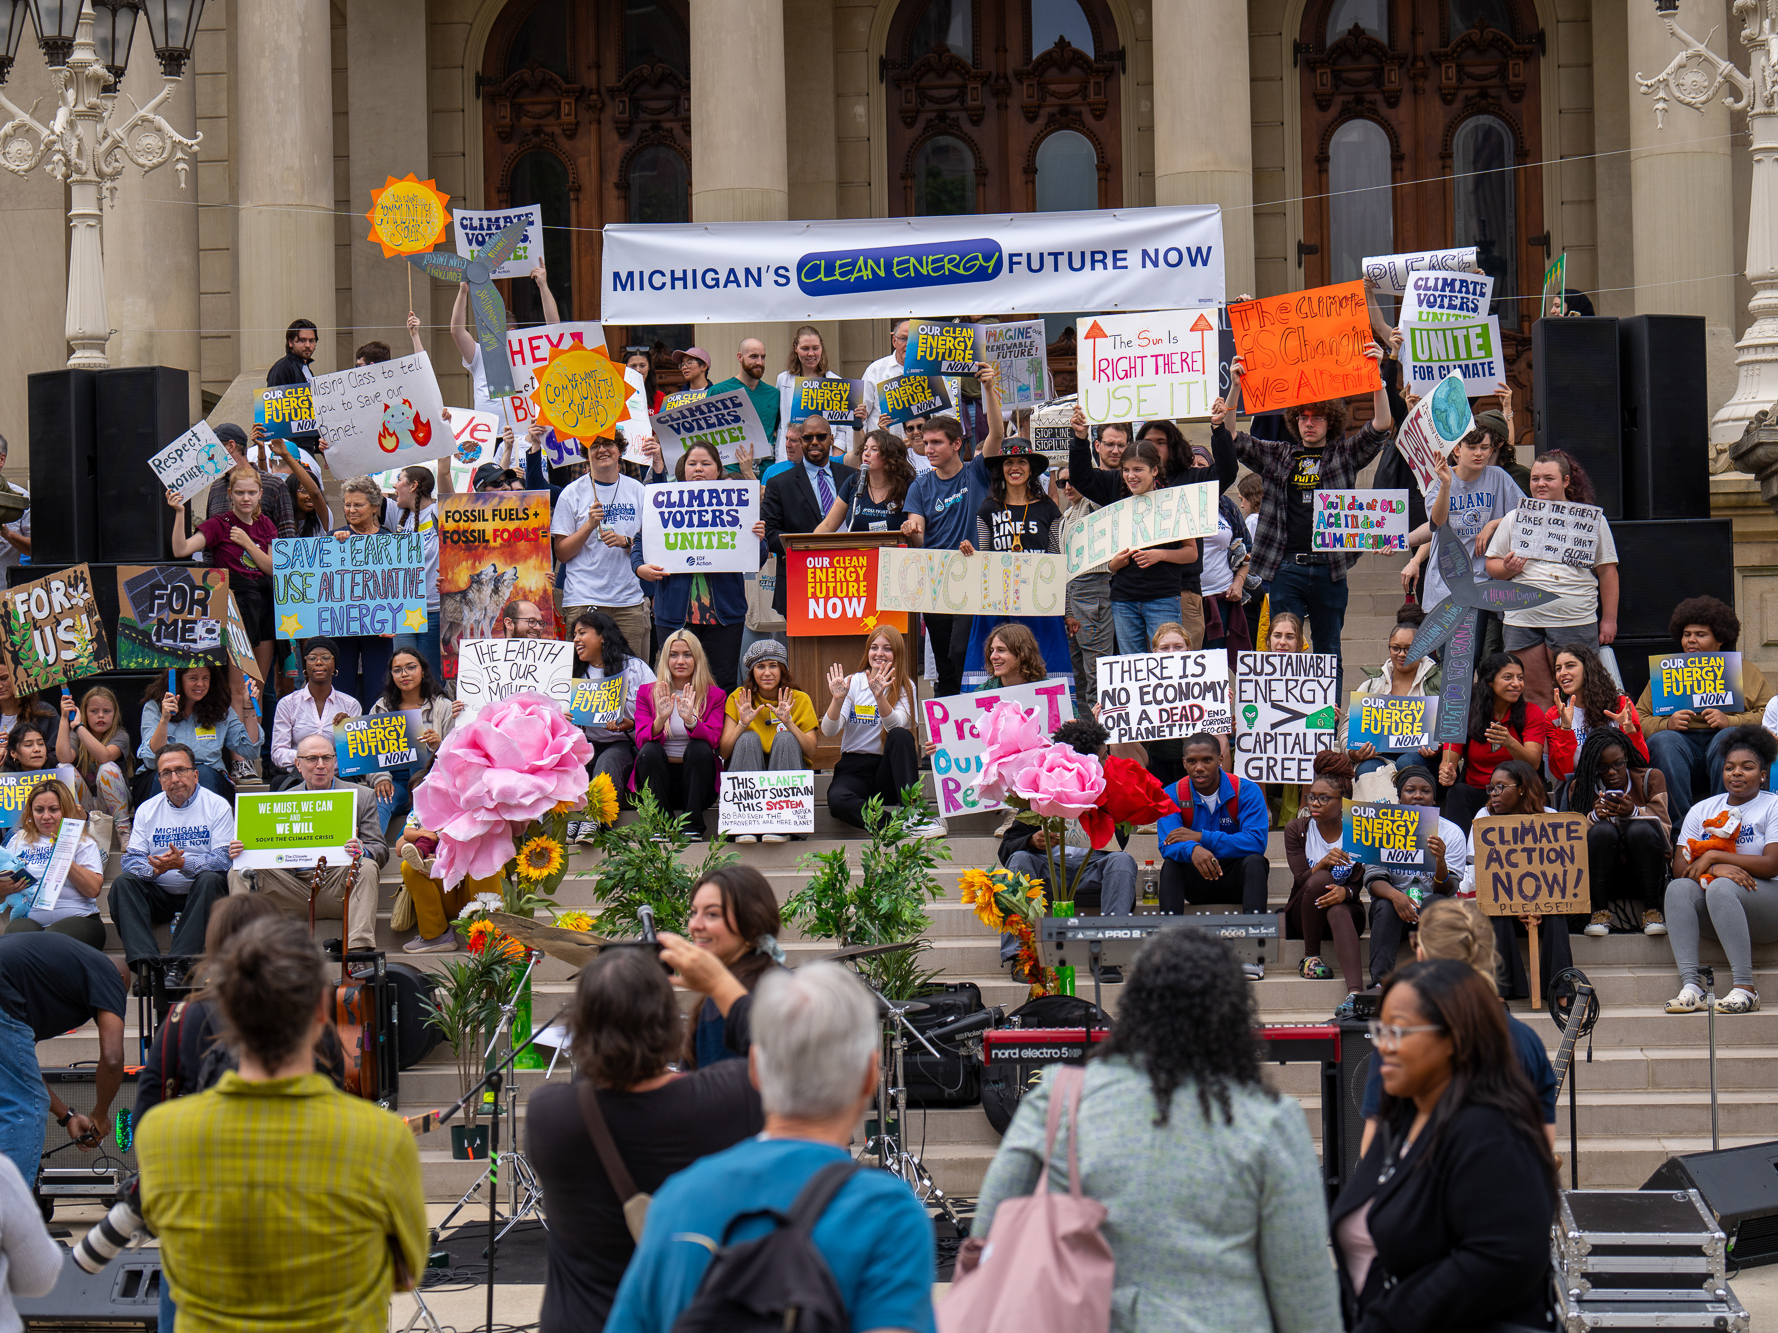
(951, 1078)
(122, 1297)
(1740, 1188)
(1575, 399)
(1357, 1055)
(64, 468)
(138, 411)
(1666, 416)
(1663, 561)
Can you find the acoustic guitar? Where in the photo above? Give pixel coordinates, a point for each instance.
(354, 1001)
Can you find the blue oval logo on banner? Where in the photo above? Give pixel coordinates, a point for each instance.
(888, 268)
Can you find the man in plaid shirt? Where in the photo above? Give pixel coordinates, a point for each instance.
(1320, 457)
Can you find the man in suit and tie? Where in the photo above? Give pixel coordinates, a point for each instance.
(796, 500)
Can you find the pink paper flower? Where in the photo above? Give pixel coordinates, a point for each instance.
(1014, 742)
(511, 765)
(1062, 784)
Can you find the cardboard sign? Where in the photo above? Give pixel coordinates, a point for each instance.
(189, 465)
(1143, 366)
(1382, 834)
(378, 742)
(836, 592)
(528, 351)
(950, 724)
(1390, 272)
(701, 527)
(382, 416)
(492, 549)
(1157, 696)
(1284, 714)
(581, 394)
(240, 647)
(1021, 354)
(285, 411)
(1174, 513)
(291, 830)
(1360, 521)
(831, 400)
(1433, 427)
(1304, 347)
(988, 583)
(489, 670)
(938, 347)
(597, 703)
(1555, 287)
(15, 792)
(1391, 723)
(361, 584)
(172, 616)
(1556, 530)
(53, 631)
(1531, 865)
(1446, 298)
(61, 860)
(774, 802)
(1432, 352)
(476, 227)
(912, 396)
(1692, 682)
(726, 420)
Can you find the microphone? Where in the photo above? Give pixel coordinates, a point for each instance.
(645, 917)
(987, 1018)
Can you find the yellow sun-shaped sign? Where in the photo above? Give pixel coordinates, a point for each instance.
(408, 216)
(581, 393)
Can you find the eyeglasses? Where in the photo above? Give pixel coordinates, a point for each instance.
(1311, 416)
(316, 758)
(815, 437)
(166, 773)
(527, 620)
(1322, 798)
(1390, 1034)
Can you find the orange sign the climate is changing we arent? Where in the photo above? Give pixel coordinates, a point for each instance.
(1304, 347)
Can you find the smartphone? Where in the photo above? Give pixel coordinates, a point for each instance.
(172, 680)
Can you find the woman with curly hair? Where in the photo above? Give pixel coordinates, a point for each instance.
(1687, 745)
(870, 499)
(1178, 1081)
(1502, 726)
(1325, 885)
(195, 713)
(1586, 697)
(1625, 802)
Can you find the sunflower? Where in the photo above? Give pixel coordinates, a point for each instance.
(540, 858)
(575, 920)
(601, 799)
(486, 937)
(975, 883)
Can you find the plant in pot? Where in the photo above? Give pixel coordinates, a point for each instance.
(465, 1007)
(641, 866)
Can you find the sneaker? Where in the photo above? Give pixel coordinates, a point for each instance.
(244, 771)
(1600, 924)
(1689, 1000)
(1313, 969)
(1653, 923)
(774, 837)
(746, 837)
(1108, 975)
(1253, 971)
(927, 828)
(1347, 1010)
(410, 855)
(1741, 1000)
(445, 943)
(695, 835)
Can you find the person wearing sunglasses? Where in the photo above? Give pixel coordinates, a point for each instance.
(799, 498)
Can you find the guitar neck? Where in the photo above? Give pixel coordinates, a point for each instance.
(1565, 1052)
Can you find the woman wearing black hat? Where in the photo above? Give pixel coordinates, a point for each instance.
(1018, 516)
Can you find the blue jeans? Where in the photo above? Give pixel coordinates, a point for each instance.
(425, 644)
(24, 1101)
(1312, 592)
(1136, 622)
(1691, 761)
(401, 802)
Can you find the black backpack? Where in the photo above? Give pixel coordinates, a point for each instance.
(778, 1282)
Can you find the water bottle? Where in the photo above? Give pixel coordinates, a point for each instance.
(1150, 884)
(1065, 979)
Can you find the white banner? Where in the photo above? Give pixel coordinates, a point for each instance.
(1284, 714)
(488, 670)
(950, 725)
(1157, 696)
(1174, 513)
(476, 228)
(879, 268)
(1433, 426)
(1390, 272)
(775, 802)
(727, 420)
(189, 465)
(1555, 530)
(382, 416)
(701, 527)
(988, 583)
(1143, 366)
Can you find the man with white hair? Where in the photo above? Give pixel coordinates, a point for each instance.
(814, 1061)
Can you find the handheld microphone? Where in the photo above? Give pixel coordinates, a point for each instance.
(987, 1018)
(645, 918)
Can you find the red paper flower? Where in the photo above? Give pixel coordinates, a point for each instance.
(1132, 795)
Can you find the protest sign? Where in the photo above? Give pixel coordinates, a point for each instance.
(581, 394)
(286, 411)
(1360, 521)
(1432, 427)
(680, 397)
(910, 396)
(377, 742)
(477, 435)
(938, 347)
(362, 584)
(1381, 834)
(1390, 272)
(836, 591)
(596, 703)
(832, 400)
(53, 631)
(407, 215)
(1555, 284)
(171, 616)
(1156, 696)
(291, 830)
(1304, 347)
(1284, 714)
(528, 351)
(489, 670)
(988, 583)
(382, 416)
(1692, 682)
(1021, 353)
(1446, 298)
(1433, 351)
(61, 859)
(775, 802)
(701, 527)
(1556, 530)
(1138, 367)
(950, 725)
(636, 426)
(15, 791)
(726, 420)
(188, 465)
(493, 548)
(240, 647)
(477, 227)
(1391, 723)
(1174, 513)
(1531, 865)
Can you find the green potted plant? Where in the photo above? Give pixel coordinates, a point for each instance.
(641, 866)
(465, 1007)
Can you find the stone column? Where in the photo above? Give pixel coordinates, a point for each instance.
(283, 161)
(1203, 124)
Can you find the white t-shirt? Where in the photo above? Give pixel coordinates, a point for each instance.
(428, 530)
(1217, 575)
(71, 901)
(861, 730)
(478, 378)
(1769, 721)
(600, 575)
(1577, 587)
(1316, 845)
(1252, 530)
(9, 555)
(883, 368)
(1759, 822)
(1474, 504)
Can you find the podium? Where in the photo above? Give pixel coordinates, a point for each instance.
(811, 654)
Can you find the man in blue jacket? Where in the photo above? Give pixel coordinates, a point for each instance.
(1215, 851)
